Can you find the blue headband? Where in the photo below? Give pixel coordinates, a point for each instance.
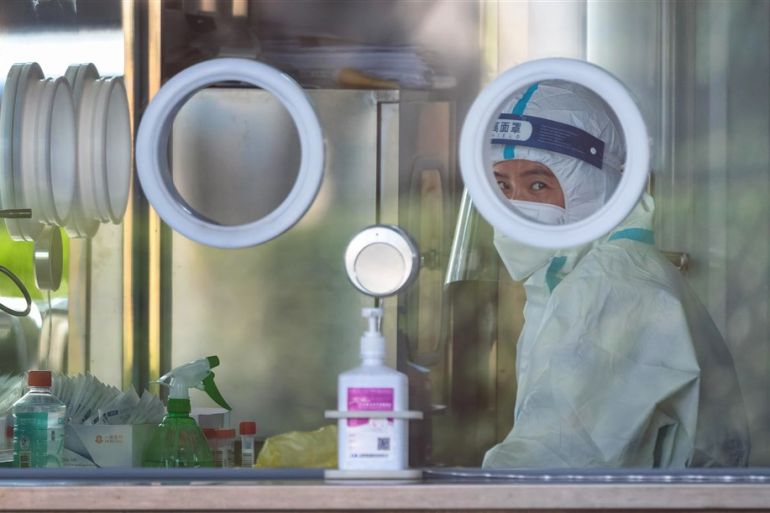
(518, 130)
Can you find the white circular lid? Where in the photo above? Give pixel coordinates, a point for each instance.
(381, 260)
(57, 165)
(81, 224)
(117, 165)
(152, 153)
(20, 77)
(104, 144)
(480, 181)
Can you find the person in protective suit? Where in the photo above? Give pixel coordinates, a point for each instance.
(618, 363)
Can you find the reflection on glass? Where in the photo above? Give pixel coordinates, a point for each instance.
(471, 256)
(235, 154)
(39, 339)
(56, 50)
(54, 334)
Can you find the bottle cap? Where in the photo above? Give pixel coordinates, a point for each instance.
(39, 378)
(248, 428)
(224, 433)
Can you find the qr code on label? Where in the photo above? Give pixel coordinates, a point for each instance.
(383, 444)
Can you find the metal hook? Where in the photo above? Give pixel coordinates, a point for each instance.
(16, 213)
(15, 279)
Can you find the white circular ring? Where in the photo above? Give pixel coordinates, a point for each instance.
(57, 167)
(29, 185)
(45, 179)
(7, 191)
(18, 80)
(39, 149)
(475, 148)
(100, 149)
(87, 173)
(117, 149)
(80, 224)
(104, 151)
(152, 153)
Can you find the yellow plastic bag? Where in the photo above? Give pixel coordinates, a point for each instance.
(300, 449)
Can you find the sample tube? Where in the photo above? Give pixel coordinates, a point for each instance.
(221, 442)
(248, 431)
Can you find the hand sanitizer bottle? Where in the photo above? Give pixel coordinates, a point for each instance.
(372, 443)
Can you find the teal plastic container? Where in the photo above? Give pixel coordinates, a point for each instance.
(39, 419)
(178, 441)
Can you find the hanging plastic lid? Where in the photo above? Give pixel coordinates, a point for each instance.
(247, 428)
(39, 378)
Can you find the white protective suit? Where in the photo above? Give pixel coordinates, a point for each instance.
(618, 363)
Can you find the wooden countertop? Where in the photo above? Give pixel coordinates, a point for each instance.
(382, 496)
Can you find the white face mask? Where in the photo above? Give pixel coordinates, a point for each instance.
(545, 213)
(521, 260)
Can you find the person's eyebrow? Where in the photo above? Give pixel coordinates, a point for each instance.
(501, 175)
(538, 171)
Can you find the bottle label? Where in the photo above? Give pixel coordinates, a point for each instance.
(247, 451)
(224, 456)
(38, 439)
(370, 438)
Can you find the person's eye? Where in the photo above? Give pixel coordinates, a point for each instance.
(503, 185)
(538, 186)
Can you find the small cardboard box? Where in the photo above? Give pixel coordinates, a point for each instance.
(210, 417)
(104, 445)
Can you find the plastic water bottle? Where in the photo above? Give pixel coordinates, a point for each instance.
(38, 424)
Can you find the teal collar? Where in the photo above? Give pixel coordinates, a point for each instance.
(638, 234)
(552, 276)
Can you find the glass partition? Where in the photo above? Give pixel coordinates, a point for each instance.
(559, 354)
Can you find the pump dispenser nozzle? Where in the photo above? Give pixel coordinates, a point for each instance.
(372, 341)
(375, 316)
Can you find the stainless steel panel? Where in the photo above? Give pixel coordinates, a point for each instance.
(387, 208)
(282, 316)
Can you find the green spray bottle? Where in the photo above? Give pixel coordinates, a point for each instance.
(178, 441)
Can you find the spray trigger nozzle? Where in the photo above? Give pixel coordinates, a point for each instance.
(195, 374)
